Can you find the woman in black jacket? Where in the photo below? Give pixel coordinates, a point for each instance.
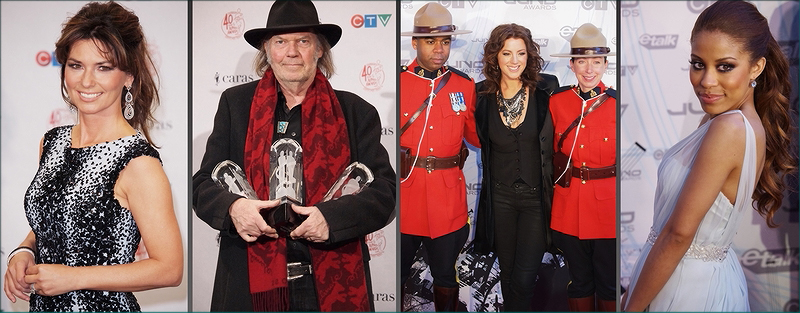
(516, 135)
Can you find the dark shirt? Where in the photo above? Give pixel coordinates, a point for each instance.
(296, 250)
(293, 116)
(515, 151)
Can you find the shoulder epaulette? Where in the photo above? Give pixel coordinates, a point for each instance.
(562, 89)
(459, 73)
(611, 92)
(403, 68)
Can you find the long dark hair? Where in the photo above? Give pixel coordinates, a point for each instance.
(530, 76)
(119, 36)
(742, 22)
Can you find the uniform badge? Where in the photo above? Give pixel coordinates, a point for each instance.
(457, 102)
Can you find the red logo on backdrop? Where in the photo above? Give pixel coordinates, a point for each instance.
(233, 24)
(43, 58)
(357, 21)
(372, 76)
(61, 117)
(376, 243)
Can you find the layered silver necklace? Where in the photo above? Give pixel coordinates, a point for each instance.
(512, 108)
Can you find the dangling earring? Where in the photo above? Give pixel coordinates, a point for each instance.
(128, 112)
(753, 84)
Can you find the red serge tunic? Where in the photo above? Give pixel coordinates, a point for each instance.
(587, 209)
(435, 204)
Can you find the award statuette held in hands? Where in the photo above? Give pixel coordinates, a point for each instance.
(285, 182)
(286, 185)
(355, 178)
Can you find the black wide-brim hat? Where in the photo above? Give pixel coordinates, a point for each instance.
(293, 16)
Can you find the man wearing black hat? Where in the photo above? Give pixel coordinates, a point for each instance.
(322, 264)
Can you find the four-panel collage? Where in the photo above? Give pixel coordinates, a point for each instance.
(399, 156)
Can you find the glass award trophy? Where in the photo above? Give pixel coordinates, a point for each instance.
(230, 176)
(355, 178)
(286, 185)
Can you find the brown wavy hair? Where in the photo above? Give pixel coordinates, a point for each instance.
(742, 22)
(118, 35)
(491, 70)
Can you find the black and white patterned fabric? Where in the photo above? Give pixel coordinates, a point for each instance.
(71, 208)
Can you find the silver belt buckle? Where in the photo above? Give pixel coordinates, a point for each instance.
(291, 265)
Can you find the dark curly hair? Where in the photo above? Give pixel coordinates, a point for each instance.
(118, 35)
(741, 21)
(491, 70)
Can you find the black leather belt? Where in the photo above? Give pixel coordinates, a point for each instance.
(296, 270)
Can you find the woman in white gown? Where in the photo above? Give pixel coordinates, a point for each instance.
(708, 180)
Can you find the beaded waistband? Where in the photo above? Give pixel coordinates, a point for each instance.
(706, 253)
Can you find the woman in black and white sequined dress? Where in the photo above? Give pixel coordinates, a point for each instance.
(100, 187)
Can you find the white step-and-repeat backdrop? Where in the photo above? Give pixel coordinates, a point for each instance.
(659, 108)
(365, 65)
(31, 104)
(552, 24)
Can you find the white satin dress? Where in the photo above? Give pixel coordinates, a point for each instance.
(709, 276)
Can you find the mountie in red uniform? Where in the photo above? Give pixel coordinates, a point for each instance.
(433, 200)
(587, 208)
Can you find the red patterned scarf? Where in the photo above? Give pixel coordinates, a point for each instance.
(339, 273)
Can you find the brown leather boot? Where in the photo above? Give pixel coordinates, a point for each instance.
(445, 299)
(585, 304)
(606, 305)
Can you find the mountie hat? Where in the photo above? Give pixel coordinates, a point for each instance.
(293, 16)
(433, 20)
(587, 42)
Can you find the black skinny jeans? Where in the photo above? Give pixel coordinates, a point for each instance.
(519, 241)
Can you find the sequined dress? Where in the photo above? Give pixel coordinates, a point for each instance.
(71, 208)
(709, 276)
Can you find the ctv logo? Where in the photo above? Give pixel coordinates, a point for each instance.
(44, 58)
(369, 20)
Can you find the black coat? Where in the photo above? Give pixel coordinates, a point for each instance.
(349, 218)
(486, 106)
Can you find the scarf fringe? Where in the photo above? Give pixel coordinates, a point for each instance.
(275, 300)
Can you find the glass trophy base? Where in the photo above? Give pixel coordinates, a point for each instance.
(282, 218)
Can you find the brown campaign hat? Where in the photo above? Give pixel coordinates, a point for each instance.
(433, 20)
(587, 41)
